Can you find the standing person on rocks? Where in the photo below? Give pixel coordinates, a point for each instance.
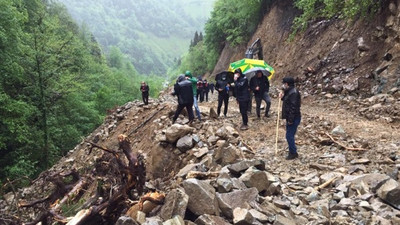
(144, 88)
(184, 90)
(211, 87)
(206, 89)
(259, 84)
(192, 79)
(242, 96)
(222, 86)
(200, 90)
(291, 112)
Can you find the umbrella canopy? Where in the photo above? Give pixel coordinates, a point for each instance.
(246, 64)
(250, 73)
(228, 74)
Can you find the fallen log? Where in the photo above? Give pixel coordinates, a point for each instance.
(324, 185)
(202, 175)
(345, 147)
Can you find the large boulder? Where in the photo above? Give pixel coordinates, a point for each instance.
(202, 199)
(176, 202)
(176, 131)
(239, 167)
(390, 193)
(242, 217)
(255, 178)
(185, 143)
(226, 155)
(236, 199)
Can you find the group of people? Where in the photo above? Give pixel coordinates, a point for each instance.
(186, 89)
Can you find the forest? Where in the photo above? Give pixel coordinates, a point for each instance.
(56, 85)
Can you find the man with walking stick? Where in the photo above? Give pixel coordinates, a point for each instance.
(291, 112)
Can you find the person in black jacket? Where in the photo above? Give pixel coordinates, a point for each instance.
(222, 86)
(206, 89)
(144, 88)
(242, 96)
(183, 89)
(259, 84)
(291, 112)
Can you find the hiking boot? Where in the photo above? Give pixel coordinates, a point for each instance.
(292, 156)
(244, 127)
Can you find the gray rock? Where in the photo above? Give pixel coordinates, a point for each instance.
(321, 207)
(213, 114)
(200, 152)
(280, 220)
(237, 168)
(141, 217)
(185, 143)
(274, 189)
(282, 204)
(212, 139)
(361, 45)
(202, 199)
(175, 203)
(344, 204)
(390, 193)
(176, 131)
(126, 220)
(255, 178)
(241, 198)
(226, 155)
(242, 217)
(191, 167)
(261, 217)
(153, 221)
(227, 132)
(224, 185)
(373, 180)
(211, 220)
(338, 130)
(176, 220)
(365, 205)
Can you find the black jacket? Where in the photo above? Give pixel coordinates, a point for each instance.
(291, 104)
(145, 90)
(242, 92)
(221, 84)
(261, 82)
(183, 89)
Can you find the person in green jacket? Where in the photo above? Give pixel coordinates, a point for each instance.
(192, 79)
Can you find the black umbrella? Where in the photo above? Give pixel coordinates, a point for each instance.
(227, 74)
(250, 73)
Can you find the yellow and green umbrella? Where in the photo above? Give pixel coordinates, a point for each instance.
(246, 64)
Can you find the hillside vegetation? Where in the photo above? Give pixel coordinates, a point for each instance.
(56, 85)
(154, 34)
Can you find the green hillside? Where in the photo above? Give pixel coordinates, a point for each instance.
(152, 33)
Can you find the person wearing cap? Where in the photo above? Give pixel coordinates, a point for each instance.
(183, 89)
(291, 112)
(192, 79)
(144, 88)
(259, 84)
(242, 96)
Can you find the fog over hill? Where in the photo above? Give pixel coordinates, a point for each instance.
(154, 34)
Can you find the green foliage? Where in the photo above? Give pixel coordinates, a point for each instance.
(55, 85)
(349, 9)
(150, 32)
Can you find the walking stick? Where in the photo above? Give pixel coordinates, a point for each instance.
(277, 127)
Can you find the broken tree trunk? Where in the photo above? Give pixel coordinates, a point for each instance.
(343, 146)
